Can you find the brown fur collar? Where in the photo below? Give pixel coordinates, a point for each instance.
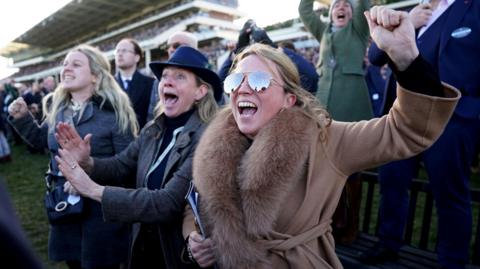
(242, 183)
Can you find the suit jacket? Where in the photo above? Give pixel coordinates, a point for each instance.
(459, 55)
(456, 58)
(341, 88)
(139, 92)
(164, 206)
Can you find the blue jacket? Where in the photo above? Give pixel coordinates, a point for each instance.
(458, 55)
(458, 58)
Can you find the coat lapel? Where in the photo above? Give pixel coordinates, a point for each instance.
(455, 16)
(243, 185)
(87, 113)
(156, 131)
(119, 81)
(183, 140)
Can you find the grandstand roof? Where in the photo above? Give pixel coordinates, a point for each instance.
(76, 21)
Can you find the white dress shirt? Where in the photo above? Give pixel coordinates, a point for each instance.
(441, 7)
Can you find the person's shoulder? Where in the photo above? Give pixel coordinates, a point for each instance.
(140, 76)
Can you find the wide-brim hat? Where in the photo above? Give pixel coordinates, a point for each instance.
(194, 61)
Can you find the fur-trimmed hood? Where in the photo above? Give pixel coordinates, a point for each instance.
(243, 183)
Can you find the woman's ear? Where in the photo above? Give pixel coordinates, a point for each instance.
(201, 92)
(290, 100)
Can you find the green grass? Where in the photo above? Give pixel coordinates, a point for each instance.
(25, 183)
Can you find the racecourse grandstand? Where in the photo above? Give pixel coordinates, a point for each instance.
(39, 51)
(102, 23)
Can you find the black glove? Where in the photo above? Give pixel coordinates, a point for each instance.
(259, 35)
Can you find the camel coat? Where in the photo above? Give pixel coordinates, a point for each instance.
(268, 203)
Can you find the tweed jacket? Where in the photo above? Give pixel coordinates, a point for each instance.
(342, 88)
(268, 203)
(164, 206)
(90, 240)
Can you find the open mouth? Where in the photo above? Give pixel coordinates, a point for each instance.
(341, 16)
(67, 78)
(170, 98)
(247, 108)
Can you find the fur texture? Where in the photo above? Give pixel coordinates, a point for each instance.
(242, 184)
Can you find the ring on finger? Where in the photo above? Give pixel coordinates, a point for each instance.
(73, 166)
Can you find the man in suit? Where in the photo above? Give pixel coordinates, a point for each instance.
(449, 41)
(138, 86)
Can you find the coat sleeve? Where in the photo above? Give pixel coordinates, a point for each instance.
(32, 133)
(116, 169)
(311, 20)
(120, 140)
(150, 206)
(358, 18)
(412, 125)
(376, 56)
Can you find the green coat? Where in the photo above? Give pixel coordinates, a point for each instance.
(342, 88)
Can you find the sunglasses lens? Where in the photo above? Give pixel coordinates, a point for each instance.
(232, 82)
(259, 81)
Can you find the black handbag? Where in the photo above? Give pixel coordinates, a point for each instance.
(59, 211)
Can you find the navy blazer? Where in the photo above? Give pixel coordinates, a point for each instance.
(462, 53)
(454, 53)
(139, 92)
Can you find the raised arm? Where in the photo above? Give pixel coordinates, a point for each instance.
(418, 116)
(26, 126)
(358, 19)
(311, 20)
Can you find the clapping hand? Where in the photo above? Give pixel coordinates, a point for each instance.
(69, 139)
(77, 177)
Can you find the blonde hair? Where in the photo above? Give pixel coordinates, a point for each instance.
(105, 87)
(291, 78)
(206, 108)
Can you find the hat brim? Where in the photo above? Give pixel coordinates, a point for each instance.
(205, 74)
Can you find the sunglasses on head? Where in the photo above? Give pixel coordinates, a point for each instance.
(257, 80)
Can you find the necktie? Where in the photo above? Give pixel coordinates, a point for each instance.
(126, 84)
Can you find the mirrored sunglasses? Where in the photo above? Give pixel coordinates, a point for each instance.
(257, 80)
